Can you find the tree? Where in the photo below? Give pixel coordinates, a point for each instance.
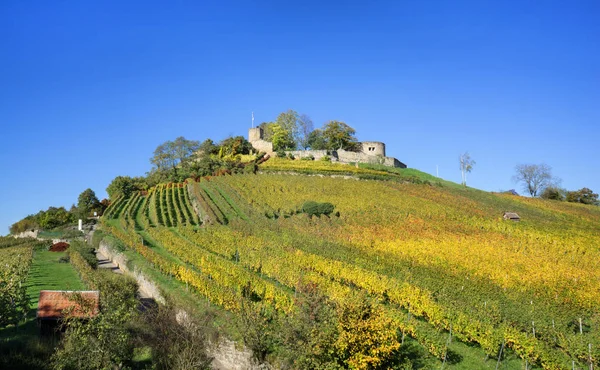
(466, 166)
(282, 138)
(289, 122)
(339, 135)
(553, 193)
(584, 195)
(170, 154)
(235, 145)
(305, 128)
(309, 335)
(535, 177)
(316, 140)
(121, 185)
(87, 202)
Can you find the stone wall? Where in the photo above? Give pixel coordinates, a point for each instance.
(226, 355)
(146, 285)
(28, 234)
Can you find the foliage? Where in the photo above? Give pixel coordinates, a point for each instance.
(233, 146)
(258, 326)
(27, 223)
(123, 186)
(338, 135)
(170, 154)
(584, 195)
(87, 202)
(104, 340)
(310, 334)
(86, 251)
(367, 338)
(316, 140)
(553, 193)
(313, 208)
(14, 266)
(535, 177)
(178, 340)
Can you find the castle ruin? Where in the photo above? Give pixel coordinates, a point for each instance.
(373, 152)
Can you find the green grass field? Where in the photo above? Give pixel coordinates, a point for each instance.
(47, 273)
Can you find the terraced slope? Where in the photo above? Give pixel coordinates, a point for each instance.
(439, 260)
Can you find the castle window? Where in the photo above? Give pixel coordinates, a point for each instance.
(371, 149)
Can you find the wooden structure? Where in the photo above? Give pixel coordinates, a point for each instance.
(511, 216)
(54, 305)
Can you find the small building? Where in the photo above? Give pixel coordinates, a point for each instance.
(54, 305)
(511, 216)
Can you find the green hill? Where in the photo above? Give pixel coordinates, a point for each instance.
(436, 260)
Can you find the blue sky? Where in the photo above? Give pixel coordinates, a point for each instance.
(89, 89)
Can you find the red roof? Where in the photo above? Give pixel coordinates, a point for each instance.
(54, 304)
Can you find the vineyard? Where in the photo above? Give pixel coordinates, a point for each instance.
(439, 261)
(15, 257)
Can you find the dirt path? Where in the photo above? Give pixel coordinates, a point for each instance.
(105, 263)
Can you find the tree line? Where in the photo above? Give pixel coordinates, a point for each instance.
(54, 217)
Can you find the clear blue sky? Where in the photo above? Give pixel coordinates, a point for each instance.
(89, 89)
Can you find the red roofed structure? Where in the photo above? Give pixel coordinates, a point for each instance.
(54, 305)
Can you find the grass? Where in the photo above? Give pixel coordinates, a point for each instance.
(47, 273)
(21, 347)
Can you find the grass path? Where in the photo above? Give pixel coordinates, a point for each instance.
(47, 273)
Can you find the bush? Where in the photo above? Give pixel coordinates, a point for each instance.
(281, 153)
(553, 193)
(310, 157)
(326, 158)
(291, 156)
(313, 208)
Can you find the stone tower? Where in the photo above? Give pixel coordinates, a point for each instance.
(255, 134)
(373, 148)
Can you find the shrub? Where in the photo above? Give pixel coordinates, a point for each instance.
(313, 208)
(326, 158)
(553, 193)
(310, 157)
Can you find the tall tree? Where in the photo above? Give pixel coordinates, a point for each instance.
(339, 135)
(305, 128)
(87, 202)
(466, 165)
(316, 140)
(534, 177)
(121, 185)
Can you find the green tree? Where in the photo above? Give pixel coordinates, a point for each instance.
(105, 340)
(316, 140)
(87, 202)
(310, 334)
(172, 154)
(121, 185)
(553, 193)
(583, 195)
(339, 135)
(282, 139)
(233, 146)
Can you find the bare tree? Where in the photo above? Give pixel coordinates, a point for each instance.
(466, 166)
(305, 127)
(535, 177)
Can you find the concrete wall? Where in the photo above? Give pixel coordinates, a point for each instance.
(317, 154)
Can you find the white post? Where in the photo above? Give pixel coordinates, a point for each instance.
(80, 228)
